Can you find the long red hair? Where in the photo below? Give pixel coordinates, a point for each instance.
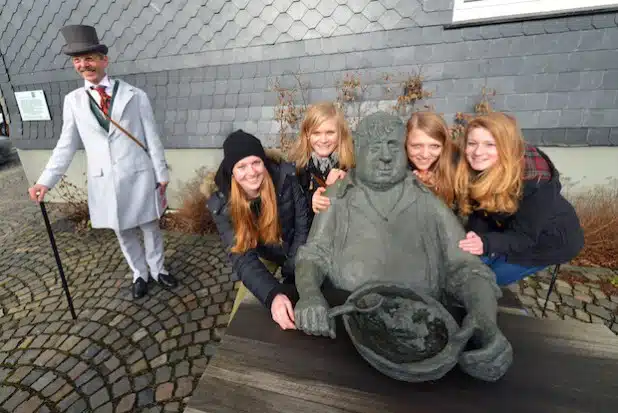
(248, 229)
(444, 167)
(499, 188)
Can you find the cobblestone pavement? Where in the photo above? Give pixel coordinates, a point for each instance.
(580, 293)
(120, 355)
(16, 210)
(123, 355)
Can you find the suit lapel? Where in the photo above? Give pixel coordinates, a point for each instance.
(124, 95)
(83, 102)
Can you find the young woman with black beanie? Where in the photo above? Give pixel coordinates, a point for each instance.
(261, 214)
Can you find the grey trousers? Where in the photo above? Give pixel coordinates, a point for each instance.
(142, 259)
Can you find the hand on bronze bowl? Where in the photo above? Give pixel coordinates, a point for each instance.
(404, 334)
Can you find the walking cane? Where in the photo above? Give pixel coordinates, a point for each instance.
(52, 240)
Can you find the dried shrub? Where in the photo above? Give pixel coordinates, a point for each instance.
(482, 107)
(572, 278)
(75, 204)
(597, 210)
(193, 216)
(412, 91)
(350, 98)
(290, 109)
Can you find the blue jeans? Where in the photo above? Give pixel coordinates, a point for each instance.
(507, 273)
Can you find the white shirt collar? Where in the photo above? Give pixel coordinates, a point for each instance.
(104, 82)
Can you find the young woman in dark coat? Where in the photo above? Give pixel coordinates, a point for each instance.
(518, 222)
(261, 215)
(324, 152)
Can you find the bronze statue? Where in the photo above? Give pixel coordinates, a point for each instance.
(385, 227)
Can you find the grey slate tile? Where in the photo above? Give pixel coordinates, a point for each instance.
(613, 136)
(572, 118)
(598, 136)
(282, 5)
(577, 23)
(575, 136)
(269, 14)
(600, 21)
(327, 7)
(554, 136)
(512, 29)
(533, 27)
(549, 118)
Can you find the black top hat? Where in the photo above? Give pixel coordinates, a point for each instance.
(81, 39)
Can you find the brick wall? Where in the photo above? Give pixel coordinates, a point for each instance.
(207, 65)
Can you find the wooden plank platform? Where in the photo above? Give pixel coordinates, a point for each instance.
(559, 366)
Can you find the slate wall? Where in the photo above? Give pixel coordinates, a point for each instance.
(207, 65)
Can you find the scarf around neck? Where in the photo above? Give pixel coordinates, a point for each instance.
(325, 164)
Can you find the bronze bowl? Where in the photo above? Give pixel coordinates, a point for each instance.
(405, 334)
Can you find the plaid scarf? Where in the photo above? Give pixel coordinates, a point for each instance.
(535, 166)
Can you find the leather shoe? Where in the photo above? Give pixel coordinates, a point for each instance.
(140, 288)
(168, 280)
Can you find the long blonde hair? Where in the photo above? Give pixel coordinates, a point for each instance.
(444, 168)
(248, 230)
(498, 188)
(314, 117)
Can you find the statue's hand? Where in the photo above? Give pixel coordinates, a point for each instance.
(494, 356)
(311, 316)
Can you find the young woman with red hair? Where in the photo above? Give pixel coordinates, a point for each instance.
(261, 215)
(518, 222)
(432, 154)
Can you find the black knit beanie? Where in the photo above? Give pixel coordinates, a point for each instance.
(237, 145)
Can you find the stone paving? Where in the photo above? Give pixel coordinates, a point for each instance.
(581, 293)
(123, 355)
(120, 355)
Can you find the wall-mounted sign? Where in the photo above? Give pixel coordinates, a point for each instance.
(32, 105)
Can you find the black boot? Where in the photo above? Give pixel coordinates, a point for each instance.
(140, 288)
(168, 280)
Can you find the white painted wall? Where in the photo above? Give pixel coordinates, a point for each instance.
(582, 167)
(183, 164)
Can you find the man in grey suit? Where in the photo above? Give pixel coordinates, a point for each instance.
(126, 179)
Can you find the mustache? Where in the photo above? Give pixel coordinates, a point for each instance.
(88, 69)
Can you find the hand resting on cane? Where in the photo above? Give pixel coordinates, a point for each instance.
(37, 192)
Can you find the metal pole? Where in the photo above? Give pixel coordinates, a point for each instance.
(52, 240)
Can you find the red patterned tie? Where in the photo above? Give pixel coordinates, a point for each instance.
(105, 99)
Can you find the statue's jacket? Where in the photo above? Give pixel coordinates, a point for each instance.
(416, 245)
(294, 221)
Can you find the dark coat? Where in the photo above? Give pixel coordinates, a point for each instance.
(294, 221)
(309, 178)
(545, 229)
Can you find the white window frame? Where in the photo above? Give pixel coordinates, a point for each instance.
(498, 10)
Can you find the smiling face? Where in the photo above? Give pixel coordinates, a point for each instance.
(481, 150)
(91, 66)
(423, 150)
(324, 139)
(249, 174)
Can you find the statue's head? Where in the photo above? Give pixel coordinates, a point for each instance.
(381, 160)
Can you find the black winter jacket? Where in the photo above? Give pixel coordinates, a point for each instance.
(294, 221)
(545, 230)
(308, 179)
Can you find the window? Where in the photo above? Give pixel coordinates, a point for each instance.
(465, 11)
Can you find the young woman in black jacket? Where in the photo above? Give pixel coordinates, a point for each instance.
(323, 153)
(518, 222)
(261, 214)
